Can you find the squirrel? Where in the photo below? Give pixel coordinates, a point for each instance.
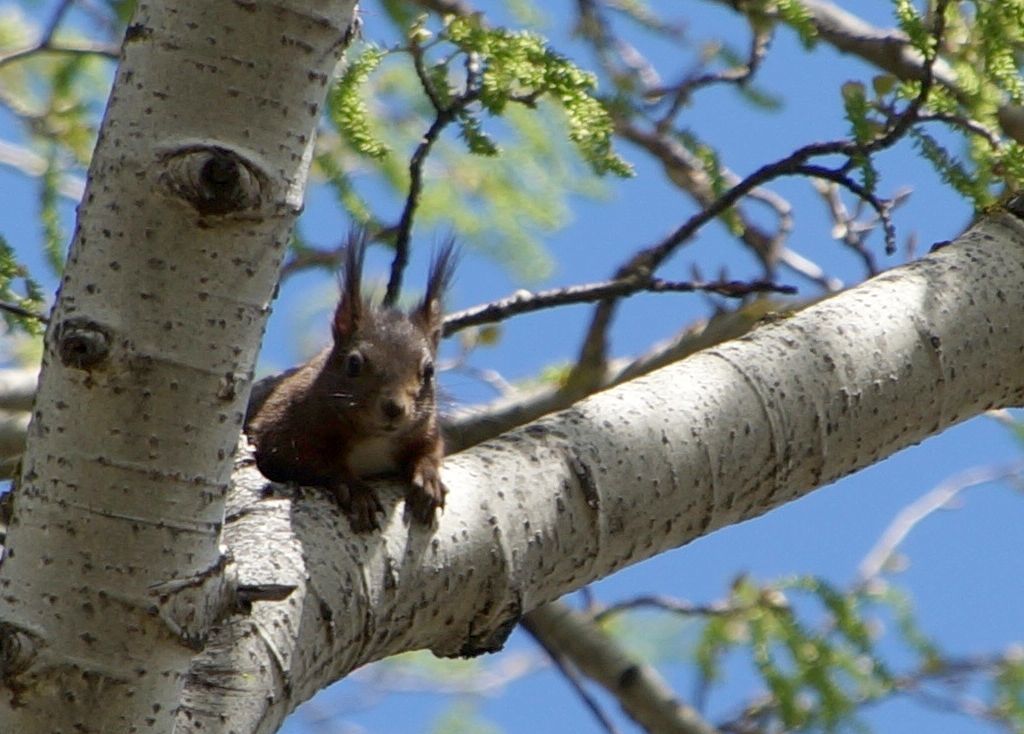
(365, 405)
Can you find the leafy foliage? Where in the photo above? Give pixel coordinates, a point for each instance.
(56, 100)
(818, 675)
(30, 299)
(981, 54)
(910, 22)
(1008, 687)
(950, 169)
(795, 14)
(863, 128)
(348, 109)
(516, 176)
(519, 66)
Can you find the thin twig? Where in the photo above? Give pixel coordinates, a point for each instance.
(675, 606)
(878, 557)
(524, 301)
(844, 225)
(573, 677)
(32, 164)
(684, 169)
(966, 125)
(444, 115)
(306, 258)
(883, 207)
(17, 310)
(594, 349)
(83, 49)
(739, 75)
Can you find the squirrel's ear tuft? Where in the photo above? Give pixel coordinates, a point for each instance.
(349, 312)
(442, 271)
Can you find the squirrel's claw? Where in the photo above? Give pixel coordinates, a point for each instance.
(426, 492)
(360, 504)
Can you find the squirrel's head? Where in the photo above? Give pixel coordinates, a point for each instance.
(382, 361)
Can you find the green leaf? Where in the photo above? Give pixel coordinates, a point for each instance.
(477, 141)
(31, 299)
(348, 109)
(951, 170)
(518, 66)
(911, 23)
(799, 19)
(54, 237)
(883, 84)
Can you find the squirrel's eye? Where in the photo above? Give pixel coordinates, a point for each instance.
(353, 364)
(427, 370)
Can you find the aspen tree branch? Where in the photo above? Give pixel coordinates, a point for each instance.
(887, 48)
(641, 691)
(476, 424)
(724, 436)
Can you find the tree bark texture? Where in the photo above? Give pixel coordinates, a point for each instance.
(721, 437)
(114, 569)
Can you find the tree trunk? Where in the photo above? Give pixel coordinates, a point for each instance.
(114, 569)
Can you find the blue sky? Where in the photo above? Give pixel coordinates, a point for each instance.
(960, 561)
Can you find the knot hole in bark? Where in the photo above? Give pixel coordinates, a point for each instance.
(18, 649)
(82, 344)
(212, 179)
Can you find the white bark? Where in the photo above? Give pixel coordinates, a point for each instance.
(114, 570)
(650, 465)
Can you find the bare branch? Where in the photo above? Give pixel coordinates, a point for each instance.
(882, 206)
(641, 691)
(668, 604)
(939, 498)
(645, 262)
(47, 44)
(14, 308)
(539, 632)
(524, 301)
(444, 115)
(448, 7)
(83, 49)
(688, 173)
(760, 40)
(887, 48)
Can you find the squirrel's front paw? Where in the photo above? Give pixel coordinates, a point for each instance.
(426, 491)
(360, 504)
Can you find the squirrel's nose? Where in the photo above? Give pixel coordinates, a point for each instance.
(391, 408)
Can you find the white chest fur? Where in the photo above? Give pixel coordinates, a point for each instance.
(372, 456)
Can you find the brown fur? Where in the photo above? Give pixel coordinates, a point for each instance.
(365, 405)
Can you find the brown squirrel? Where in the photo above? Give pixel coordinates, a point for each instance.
(364, 405)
